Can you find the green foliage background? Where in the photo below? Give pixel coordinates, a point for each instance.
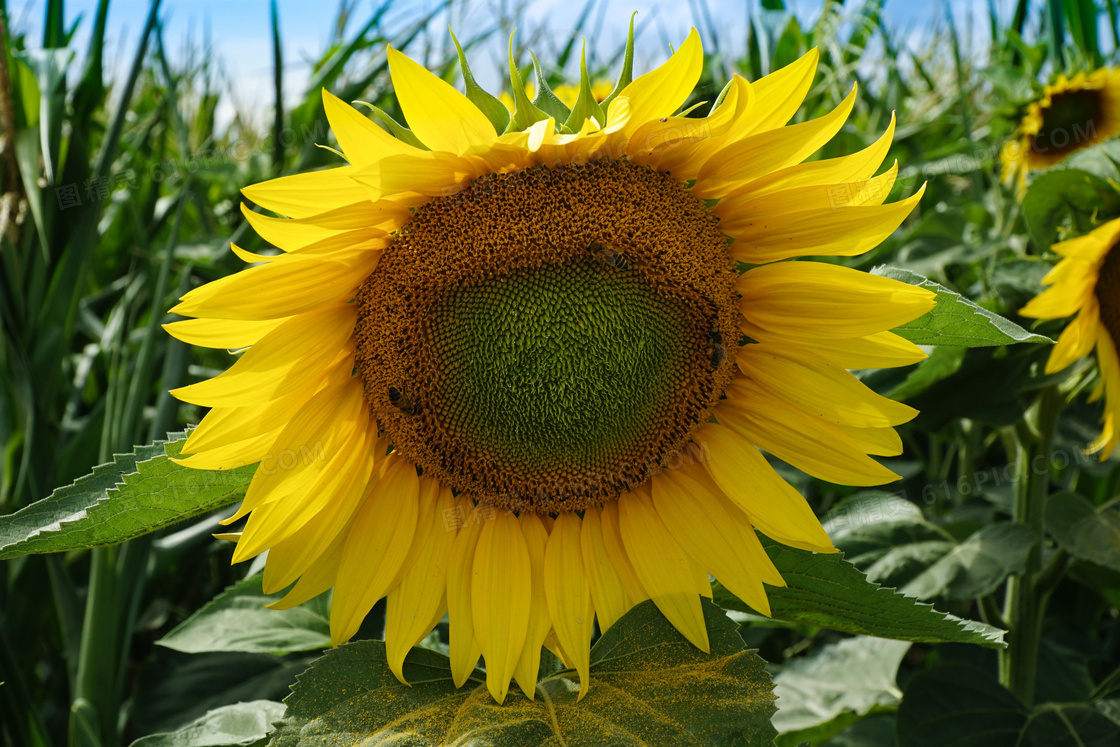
(122, 620)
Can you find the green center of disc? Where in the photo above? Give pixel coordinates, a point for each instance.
(559, 368)
(1069, 122)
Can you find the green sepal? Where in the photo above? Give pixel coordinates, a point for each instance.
(399, 131)
(689, 110)
(546, 100)
(586, 105)
(525, 114)
(494, 109)
(627, 74)
(720, 98)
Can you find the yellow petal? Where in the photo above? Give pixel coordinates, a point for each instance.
(616, 553)
(291, 234)
(222, 333)
(778, 95)
(831, 301)
(1077, 339)
(702, 525)
(464, 651)
(294, 355)
(501, 599)
(528, 665)
(234, 454)
(443, 118)
(302, 195)
(662, 566)
(818, 387)
(292, 284)
(421, 592)
(810, 444)
(846, 232)
(316, 579)
(858, 166)
(569, 598)
(760, 154)
(361, 140)
(662, 91)
(380, 537)
(607, 592)
(301, 467)
(435, 174)
(772, 504)
(292, 556)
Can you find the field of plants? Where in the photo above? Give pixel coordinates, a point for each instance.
(975, 600)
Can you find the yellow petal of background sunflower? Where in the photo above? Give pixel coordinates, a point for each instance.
(1077, 339)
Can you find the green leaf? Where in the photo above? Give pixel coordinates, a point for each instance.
(829, 592)
(649, 686)
(131, 496)
(978, 565)
(942, 363)
(1084, 531)
(956, 321)
(821, 694)
(237, 620)
(238, 724)
(1066, 198)
(959, 705)
(586, 105)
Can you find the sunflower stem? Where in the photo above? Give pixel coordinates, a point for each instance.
(1025, 602)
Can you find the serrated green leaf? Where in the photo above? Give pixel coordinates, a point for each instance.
(960, 705)
(829, 592)
(818, 695)
(649, 686)
(1066, 198)
(525, 113)
(230, 726)
(131, 496)
(400, 132)
(1083, 531)
(956, 321)
(237, 620)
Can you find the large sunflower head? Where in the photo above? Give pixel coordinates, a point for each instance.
(509, 367)
(1086, 282)
(1072, 113)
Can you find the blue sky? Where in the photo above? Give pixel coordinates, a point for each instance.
(239, 34)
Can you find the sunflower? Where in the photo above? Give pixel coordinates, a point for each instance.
(1086, 282)
(517, 376)
(1073, 113)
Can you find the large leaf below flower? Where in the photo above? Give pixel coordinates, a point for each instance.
(955, 320)
(648, 686)
(829, 592)
(131, 496)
